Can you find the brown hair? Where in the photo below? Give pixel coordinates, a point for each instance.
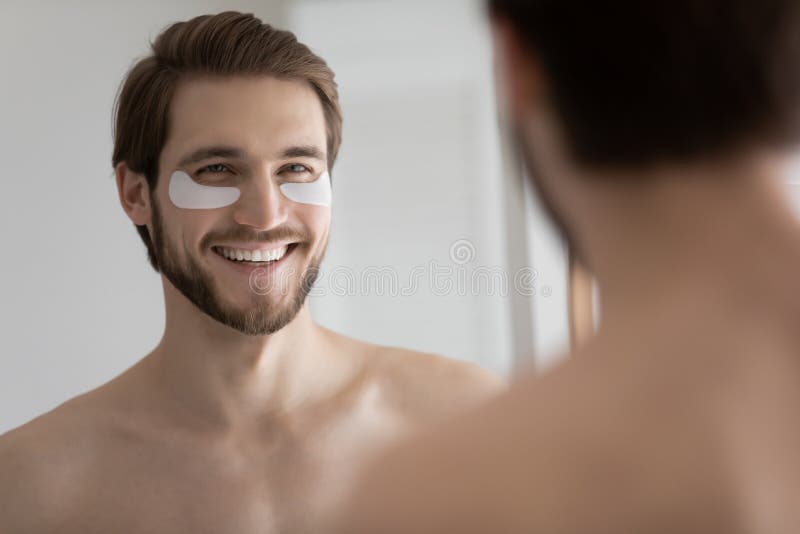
(225, 44)
(635, 82)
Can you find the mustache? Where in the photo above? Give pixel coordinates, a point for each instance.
(242, 233)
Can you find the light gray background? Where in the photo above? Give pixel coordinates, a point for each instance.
(420, 169)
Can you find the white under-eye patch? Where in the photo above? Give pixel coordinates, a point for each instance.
(188, 194)
(317, 192)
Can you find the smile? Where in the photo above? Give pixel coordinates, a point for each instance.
(264, 255)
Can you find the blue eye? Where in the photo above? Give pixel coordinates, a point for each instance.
(214, 168)
(296, 168)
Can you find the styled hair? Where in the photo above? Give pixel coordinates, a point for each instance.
(634, 82)
(226, 44)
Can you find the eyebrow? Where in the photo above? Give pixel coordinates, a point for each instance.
(304, 151)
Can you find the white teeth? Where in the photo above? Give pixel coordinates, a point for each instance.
(253, 255)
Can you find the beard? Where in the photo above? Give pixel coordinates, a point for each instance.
(533, 173)
(261, 316)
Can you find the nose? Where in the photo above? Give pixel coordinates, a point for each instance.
(261, 205)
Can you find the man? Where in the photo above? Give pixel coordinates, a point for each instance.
(660, 135)
(247, 417)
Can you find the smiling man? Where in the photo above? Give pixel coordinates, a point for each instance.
(247, 416)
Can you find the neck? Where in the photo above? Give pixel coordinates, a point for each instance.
(704, 237)
(228, 379)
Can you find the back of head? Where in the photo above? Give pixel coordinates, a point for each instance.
(637, 82)
(226, 44)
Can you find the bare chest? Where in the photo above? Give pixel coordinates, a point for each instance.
(279, 484)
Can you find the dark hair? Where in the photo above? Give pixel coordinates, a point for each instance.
(634, 82)
(226, 44)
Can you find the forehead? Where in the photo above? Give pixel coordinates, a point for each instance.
(259, 114)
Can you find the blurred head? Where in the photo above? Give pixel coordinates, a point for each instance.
(623, 85)
(231, 102)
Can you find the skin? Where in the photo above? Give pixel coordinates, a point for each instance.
(681, 413)
(215, 430)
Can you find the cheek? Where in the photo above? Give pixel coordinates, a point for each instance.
(316, 218)
(199, 223)
(186, 228)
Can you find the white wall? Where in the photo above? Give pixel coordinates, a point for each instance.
(418, 174)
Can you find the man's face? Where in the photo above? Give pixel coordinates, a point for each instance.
(271, 132)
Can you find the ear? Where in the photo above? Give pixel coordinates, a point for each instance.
(518, 72)
(134, 194)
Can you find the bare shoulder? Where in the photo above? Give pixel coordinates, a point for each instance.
(40, 464)
(426, 371)
(425, 384)
(420, 385)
